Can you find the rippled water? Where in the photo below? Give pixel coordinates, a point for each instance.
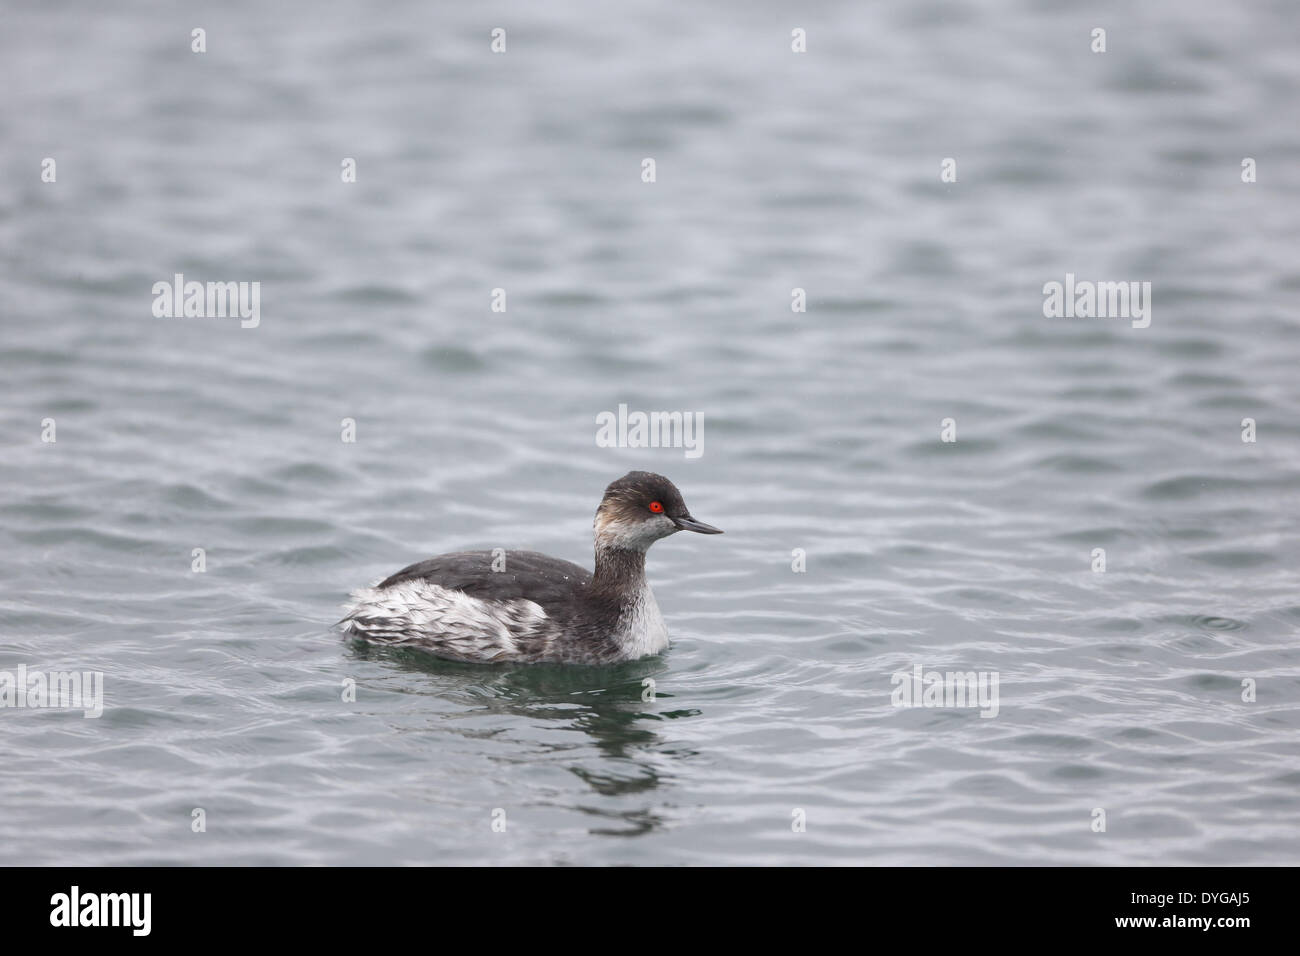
(1119, 690)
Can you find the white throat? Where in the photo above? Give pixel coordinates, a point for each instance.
(641, 629)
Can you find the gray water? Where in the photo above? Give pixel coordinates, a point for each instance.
(1120, 691)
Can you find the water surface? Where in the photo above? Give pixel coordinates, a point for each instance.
(475, 429)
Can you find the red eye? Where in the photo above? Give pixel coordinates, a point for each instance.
(656, 507)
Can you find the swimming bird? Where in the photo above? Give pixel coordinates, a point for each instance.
(526, 607)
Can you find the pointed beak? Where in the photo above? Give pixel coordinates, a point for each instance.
(687, 523)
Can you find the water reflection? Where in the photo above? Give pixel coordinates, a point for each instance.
(609, 705)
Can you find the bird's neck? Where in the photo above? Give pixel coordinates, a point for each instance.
(620, 572)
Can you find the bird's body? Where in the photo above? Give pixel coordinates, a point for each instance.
(526, 607)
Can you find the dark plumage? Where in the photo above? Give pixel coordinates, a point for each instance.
(530, 575)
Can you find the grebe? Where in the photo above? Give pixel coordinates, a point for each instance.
(525, 607)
